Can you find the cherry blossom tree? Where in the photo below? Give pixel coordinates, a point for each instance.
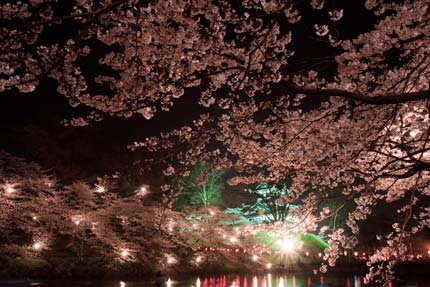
(362, 127)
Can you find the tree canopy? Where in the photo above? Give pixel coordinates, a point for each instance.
(353, 112)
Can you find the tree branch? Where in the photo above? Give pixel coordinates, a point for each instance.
(389, 99)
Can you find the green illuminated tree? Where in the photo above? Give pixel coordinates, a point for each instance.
(201, 187)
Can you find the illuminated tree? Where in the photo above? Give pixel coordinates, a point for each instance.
(202, 187)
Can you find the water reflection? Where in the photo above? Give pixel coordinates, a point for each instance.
(267, 280)
(271, 280)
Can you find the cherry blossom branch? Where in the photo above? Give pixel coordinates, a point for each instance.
(389, 99)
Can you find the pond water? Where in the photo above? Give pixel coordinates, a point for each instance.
(268, 280)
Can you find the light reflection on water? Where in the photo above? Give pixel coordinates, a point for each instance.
(269, 280)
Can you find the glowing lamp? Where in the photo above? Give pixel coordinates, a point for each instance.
(37, 246)
(268, 265)
(125, 253)
(9, 188)
(198, 259)
(307, 253)
(355, 253)
(254, 258)
(428, 252)
(34, 217)
(100, 188)
(121, 284)
(287, 245)
(233, 239)
(212, 213)
(170, 260)
(345, 253)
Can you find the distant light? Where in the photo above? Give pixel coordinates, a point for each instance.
(125, 253)
(355, 253)
(122, 284)
(307, 253)
(428, 252)
(143, 191)
(254, 258)
(212, 213)
(34, 217)
(9, 188)
(233, 239)
(100, 188)
(319, 254)
(345, 253)
(77, 222)
(170, 259)
(268, 265)
(287, 245)
(198, 259)
(37, 246)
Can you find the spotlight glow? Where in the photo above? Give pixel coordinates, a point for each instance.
(37, 246)
(100, 188)
(9, 188)
(287, 245)
(125, 253)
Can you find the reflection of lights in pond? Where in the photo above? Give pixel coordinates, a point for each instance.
(198, 282)
(169, 282)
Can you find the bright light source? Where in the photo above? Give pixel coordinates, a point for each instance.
(37, 246)
(143, 191)
(121, 284)
(198, 283)
(100, 188)
(169, 282)
(287, 245)
(34, 217)
(254, 258)
(268, 265)
(307, 253)
(170, 259)
(9, 188)
(198, 259)
(233, 239)
(77, 222)
(212, 213)
(355, 253)
(319, 254)
(125, 253)
(345, 253)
